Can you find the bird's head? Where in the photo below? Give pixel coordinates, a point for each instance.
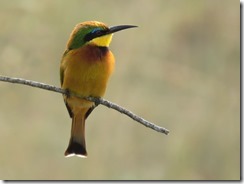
(93, 32)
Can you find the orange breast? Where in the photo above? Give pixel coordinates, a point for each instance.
(87, 70)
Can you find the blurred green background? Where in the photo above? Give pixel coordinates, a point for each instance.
(179, 69)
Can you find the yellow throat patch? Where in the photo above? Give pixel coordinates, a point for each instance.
(102, 41)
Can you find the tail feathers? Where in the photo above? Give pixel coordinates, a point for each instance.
(75, 149)
(77, 143)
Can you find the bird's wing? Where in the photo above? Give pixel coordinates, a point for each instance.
(62, 68)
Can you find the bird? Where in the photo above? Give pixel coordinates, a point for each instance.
(86, 66)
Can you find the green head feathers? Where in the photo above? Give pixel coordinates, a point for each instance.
(91, 30)
(84, 32)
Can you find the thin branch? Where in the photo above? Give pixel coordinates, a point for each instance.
(93, 99)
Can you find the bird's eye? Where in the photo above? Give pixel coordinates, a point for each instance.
(96, 30)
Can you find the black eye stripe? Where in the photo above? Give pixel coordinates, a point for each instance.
(99, 32)
(94, 34)
(88, 37)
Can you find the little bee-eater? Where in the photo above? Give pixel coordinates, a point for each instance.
(86, 66)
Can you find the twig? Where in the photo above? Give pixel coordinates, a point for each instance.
(93, 99)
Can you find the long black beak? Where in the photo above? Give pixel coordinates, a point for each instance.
(110, 30)
(119, 28)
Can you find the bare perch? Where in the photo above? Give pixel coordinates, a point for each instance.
(93, 99)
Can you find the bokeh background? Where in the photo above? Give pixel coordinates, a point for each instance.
(179, 69)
